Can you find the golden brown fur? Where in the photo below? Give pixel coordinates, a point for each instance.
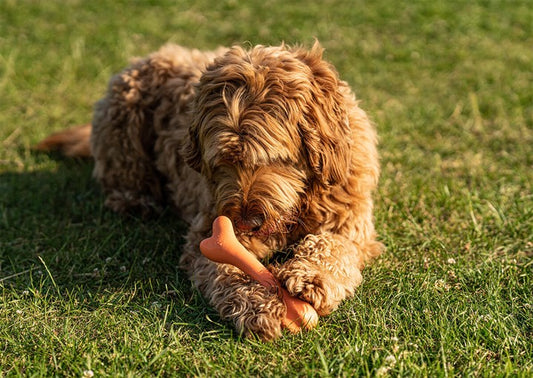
(269, 136)
(73, 142)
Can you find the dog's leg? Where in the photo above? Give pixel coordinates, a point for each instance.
(325, 269)
(254, 309)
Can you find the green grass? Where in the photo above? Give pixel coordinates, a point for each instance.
(448, 84)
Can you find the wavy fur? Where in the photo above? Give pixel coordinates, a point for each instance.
(269, 136)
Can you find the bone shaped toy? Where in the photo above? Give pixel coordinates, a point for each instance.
(223, 247)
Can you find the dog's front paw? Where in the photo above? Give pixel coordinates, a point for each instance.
(264, 324)
(310, 285)
(255, 310)
(323, 271)
(260, 317)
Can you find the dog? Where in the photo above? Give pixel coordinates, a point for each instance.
(268, 136)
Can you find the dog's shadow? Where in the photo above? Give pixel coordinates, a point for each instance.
(56, 234)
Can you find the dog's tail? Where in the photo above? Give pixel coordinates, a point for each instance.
(73, 142)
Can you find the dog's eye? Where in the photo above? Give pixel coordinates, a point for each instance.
(250, 223)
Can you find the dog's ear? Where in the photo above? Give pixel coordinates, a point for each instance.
(325, 129)
(191, 149)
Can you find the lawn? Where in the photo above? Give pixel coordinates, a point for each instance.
(449, 85)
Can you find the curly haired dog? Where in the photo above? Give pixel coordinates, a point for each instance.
(268, 136)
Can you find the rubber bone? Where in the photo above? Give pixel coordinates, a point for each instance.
(223, 247)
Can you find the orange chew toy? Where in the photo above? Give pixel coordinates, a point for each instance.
(223, 247)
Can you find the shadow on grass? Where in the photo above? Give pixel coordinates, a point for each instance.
(56, 236)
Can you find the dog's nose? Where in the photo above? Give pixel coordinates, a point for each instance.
(249, 224)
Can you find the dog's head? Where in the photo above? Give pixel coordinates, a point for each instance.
(269, 126)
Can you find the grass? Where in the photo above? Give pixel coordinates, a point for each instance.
(449, 86)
